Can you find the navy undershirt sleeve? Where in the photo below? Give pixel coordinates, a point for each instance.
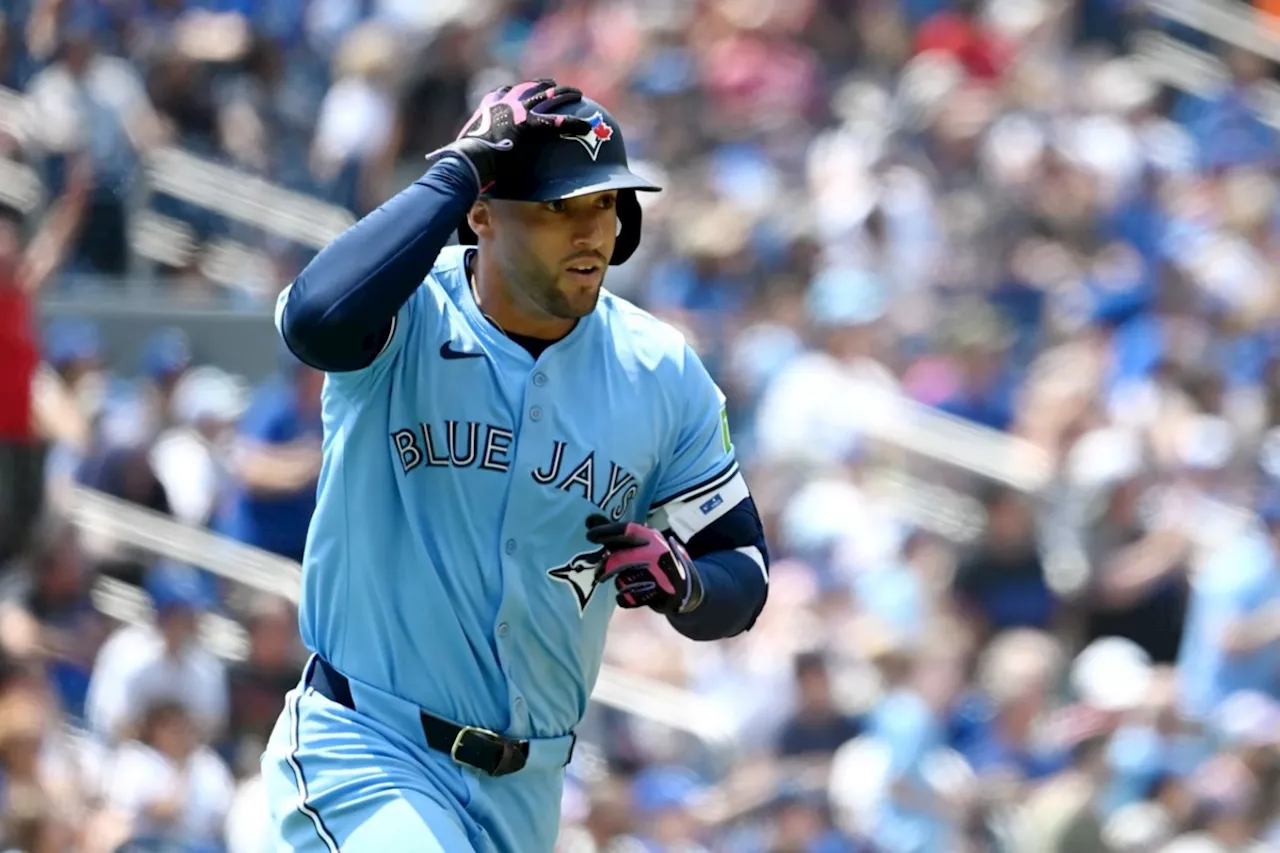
(338, 313)
(734, 586)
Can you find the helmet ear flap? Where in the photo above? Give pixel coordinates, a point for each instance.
(629, 220)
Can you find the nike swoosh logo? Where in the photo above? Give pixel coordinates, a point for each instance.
(446, 352)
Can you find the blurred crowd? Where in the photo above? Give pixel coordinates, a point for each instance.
(996, 313)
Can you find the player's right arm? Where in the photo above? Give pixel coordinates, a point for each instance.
(340, 313)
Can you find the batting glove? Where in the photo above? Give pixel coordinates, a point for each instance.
(507, 118)
(648, 569)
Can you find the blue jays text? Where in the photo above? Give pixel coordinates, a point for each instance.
(485, 446)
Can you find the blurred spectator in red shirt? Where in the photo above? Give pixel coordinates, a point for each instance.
(23, 271)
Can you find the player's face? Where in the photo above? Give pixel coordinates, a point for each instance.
(555, 253)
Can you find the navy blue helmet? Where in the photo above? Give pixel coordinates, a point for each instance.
(569, 166)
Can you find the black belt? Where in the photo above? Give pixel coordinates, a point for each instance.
(481, 749)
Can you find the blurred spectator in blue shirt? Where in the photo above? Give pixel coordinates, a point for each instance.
(1001, 581)
(1151, 747)
(1232, 638)
(802, 824)
(1017, 673)
(277, 464)
(665, 799)
(52, 585)
(985, 383)
(913, 813)
(166, 358)
(818, 725)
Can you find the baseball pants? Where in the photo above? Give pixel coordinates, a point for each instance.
(364, 781)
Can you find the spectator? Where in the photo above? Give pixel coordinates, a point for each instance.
(796, 418)
(1152, 746)
(1232, 639)
(94, 104)
(802, 824)
(166, 358)
(605, 823)
(665, 802)
(912, 812)
(817, 726)
(1063, 815)
(52, 586)
(75, 388)
(1001, 581)
(1017, 673)
(24, 272)
(276, 465)
(172, 787)
(141, 664)
(258, 685)
(984, 384)
(120, 466)
(36, 756)
(357, 128)
(1138, 587)
(192, 458)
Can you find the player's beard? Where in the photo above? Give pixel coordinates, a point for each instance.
(542, 286)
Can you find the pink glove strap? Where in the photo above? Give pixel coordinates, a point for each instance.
(648, 554)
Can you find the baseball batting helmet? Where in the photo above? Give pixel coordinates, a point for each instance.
(569, 166)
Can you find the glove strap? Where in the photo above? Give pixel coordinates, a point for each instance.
(693, 585)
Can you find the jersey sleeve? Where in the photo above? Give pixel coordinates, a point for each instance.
(700, 482)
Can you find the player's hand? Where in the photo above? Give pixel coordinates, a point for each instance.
(647, 568)
(506, 119)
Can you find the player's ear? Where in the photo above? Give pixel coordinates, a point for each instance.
(480, 218)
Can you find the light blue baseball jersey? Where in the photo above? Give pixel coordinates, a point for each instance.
(447, 561)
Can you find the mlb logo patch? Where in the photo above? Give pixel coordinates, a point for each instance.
(600, 133)
(711, 503)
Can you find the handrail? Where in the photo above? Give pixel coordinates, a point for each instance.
(1225, 20)
(246, 198)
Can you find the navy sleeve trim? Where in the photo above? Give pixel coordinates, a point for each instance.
(702, 487)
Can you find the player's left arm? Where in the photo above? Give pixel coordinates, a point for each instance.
(701, 557)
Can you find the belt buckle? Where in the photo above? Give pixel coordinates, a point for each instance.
(466, 730)
(513, 757)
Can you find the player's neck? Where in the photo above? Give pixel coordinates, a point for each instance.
(499, 302)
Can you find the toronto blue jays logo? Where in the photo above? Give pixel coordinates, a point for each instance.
(580, 575)
(598, 135)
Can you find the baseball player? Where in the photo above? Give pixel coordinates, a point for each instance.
(510, 452)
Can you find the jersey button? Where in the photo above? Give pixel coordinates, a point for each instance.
(535, 414)
(503, 629)
(539, 379)
(519, 703)
(510, 546)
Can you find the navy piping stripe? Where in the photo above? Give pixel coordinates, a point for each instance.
(295, 738)
(710, 484)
